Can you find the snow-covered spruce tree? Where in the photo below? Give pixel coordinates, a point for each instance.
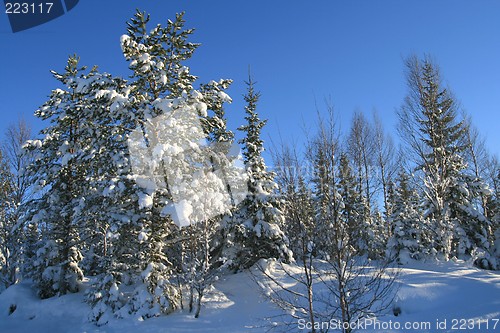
(409, 237)
(156, 59)
(259, 219)
(464, 194)
(353, 205)
(323, 180)
(90, 136)
(173, 118)
(430, 127)
(198, 192)
(109, 208)
(102, 206)
(378, 235)
(127, 242)
(56, 168)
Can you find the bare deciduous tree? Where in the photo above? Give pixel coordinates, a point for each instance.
(15, 137)
(15, 159)
(300, 229)
(361, 150)
(477, 157)
(385, 160)
(333, 278)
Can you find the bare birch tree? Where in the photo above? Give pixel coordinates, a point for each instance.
(15, 160)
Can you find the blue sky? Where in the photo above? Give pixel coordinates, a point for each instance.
(300, 52)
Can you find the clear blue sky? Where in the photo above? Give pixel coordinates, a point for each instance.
(299, 52)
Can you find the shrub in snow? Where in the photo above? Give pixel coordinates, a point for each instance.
(53, 277)
(155, 294)
(105, 299)
(488, 259)
(408, 240)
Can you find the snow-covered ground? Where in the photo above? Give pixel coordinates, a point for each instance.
(437, 297)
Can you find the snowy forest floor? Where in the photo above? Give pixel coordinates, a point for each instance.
(428, 292)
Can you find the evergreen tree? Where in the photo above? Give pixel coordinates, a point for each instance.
(56, 266)
(110, 211)
(473, 228)
(365, 230)
(258, 232)
(430, 126)
(352, 210)
(158, 78)
(173, 119)
(101, 200)
(157, 57)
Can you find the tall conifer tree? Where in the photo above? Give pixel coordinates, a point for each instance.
(258, 231)
(430, 125)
